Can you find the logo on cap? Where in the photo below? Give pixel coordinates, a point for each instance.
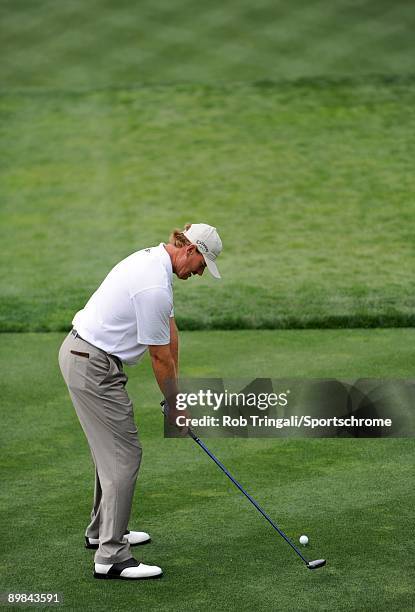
(202, 244)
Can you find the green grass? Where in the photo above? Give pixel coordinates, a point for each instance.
(354, 498)
(76, 44)
(309, 183)
(120, 121)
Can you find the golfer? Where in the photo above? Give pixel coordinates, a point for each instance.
(130, 312)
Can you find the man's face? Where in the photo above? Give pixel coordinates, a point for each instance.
(189, 261)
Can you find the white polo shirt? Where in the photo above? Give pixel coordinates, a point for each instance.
(132, 307)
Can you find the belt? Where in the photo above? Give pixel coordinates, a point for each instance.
(76, 335)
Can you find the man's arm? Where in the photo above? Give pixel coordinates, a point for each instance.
(174, 344)
(164, 368)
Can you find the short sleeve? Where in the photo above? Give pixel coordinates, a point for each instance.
(172, 312)
(153, 308)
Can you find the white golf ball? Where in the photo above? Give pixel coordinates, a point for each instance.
(303, 540)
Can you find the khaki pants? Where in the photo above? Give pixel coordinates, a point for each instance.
(96, 383)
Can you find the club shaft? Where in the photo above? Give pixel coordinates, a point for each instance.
(251, 499)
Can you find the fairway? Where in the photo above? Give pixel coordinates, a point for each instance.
(309, 183)
(100, 42)
(353, 498)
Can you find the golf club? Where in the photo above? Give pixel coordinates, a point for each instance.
(310, 564)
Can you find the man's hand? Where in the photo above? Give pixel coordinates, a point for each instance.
(172, 413)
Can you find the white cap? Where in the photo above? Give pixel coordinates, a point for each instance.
(206, 239)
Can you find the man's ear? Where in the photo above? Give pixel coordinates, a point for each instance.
(190, 249)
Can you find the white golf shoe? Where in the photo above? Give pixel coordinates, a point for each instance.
(127, 570)
(133, 538)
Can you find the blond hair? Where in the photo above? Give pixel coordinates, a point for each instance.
(178, 239)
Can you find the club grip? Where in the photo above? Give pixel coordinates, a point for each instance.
(164, 407)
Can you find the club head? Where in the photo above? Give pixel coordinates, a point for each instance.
(316, 564)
